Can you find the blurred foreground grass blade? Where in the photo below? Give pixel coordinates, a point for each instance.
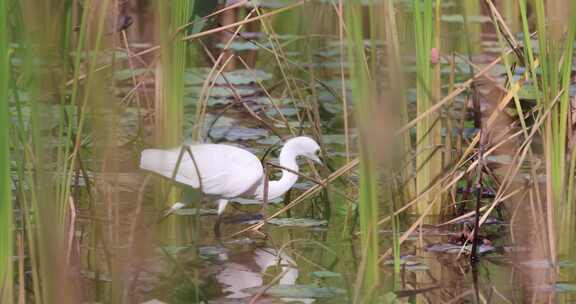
(6, 236)
(368, 275)
(169, 105)
(550, 69)
(565, 217)
(425, 131)
(43, 74)
(170, 95)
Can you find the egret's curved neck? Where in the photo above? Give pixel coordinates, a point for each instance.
(287, 160)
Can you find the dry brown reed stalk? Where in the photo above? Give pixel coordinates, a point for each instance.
(237, 98)
(216, 13)
(471, 213)
(201, 34)
(341, 27)
(240, 23)
(209, 84)
(314, 180)
(457, 177)
(291, 85)
(270, 98)
(464, 159)
(463, 87)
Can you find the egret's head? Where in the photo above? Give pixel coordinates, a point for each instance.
(305, 146)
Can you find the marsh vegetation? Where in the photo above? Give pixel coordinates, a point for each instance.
(447, 132)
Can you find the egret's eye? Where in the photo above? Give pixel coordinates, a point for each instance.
(317, 153)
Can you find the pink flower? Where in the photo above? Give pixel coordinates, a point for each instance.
(434, 56)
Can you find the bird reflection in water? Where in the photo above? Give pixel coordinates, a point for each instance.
(248, 269)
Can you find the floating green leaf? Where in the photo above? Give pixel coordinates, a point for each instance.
(564, 287)
(195, 211)
(298, 291)
(297, 222)
(325, 274)
(126, 74)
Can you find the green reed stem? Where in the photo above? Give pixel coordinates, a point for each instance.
(423, 29)
(550, 72)
(6, 233)
(170, 92)
(369, 181)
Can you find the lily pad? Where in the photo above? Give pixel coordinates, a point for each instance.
(529, 92)
(126, 74)
(278, 101)
(325, 274)
(238, 133)
(409, 263)
(198, 76)
(332, 107)
(195, 211)
(565, 287)
(567, 264)
(292, 222)
(298, 291)
(244, 46)
(297, 222)
(220, 92)
(454, 249)
(285, 111)
(336, 139)
(212, 251)
(294, 124)
(129, 124)
(270, 140)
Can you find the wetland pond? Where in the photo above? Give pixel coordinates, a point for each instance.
(271, 84)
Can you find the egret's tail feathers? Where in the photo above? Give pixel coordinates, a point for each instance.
(158, 161)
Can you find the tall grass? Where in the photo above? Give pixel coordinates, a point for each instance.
(550, 71)
(172, 64)
(45, 143)
(170, 90)
(362, 91)
(428, 160)
(6, 230)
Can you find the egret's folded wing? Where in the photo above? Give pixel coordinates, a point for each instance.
(164, 162)
(225, 171)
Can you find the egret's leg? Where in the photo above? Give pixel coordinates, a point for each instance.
(221, 206)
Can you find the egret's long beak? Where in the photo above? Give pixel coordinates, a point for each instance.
(317, 159)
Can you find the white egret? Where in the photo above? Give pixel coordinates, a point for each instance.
(223, 172)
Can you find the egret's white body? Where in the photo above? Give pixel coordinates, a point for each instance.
(224, 172)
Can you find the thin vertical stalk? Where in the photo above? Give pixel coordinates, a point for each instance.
(341, 27)
(423, 29)
(369, 188)
(556, 36)
(397, 82)
(170, 89)
(6, 234)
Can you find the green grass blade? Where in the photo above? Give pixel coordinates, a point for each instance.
(369, 182)
(6, 235)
